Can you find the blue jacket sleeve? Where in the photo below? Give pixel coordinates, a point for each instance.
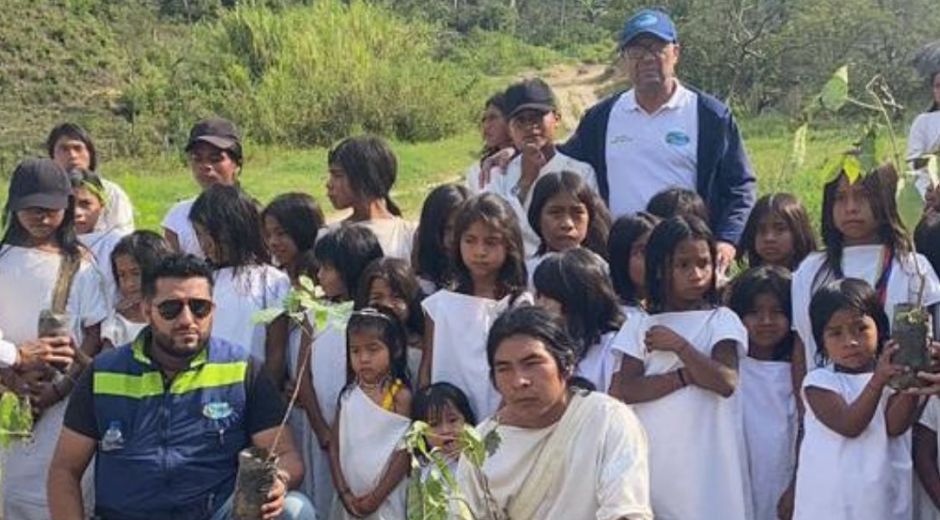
(735, 185)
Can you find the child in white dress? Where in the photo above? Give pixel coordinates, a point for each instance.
(626, 253)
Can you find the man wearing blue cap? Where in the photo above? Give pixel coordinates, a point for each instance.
(662, 134)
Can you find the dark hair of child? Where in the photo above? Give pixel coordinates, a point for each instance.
(625, 231)
(298, 215)
(400, 278)
(789, 209)
(430, 401)
(383, 322)
(845, 294)
(370, 166)
(349, 249)
(934, 105)
(756, 281)
(493, 211)
(81, 178)
(673, 202)
(659, 253)
(147, 248)
(927, 238)
(571, 183)
(577, 278)
(880, 185)
(76, 132)
(439, 206)
(230, 217)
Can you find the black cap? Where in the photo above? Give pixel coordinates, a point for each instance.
(530, 94)
(39, 183)
(216, 131)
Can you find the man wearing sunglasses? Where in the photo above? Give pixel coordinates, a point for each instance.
(166, 416)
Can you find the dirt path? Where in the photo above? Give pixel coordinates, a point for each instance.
(577, 88)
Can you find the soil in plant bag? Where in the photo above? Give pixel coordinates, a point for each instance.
(910, 329)
(256, 474)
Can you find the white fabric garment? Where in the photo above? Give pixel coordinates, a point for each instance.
(368, 437)
(603, 476)
(849, 479)
(396, 235)
(600, 363)
(698, 458)
(27, 279)
(770, 425)
(177, 221)
(118, 214)
(924, 139)
(101, 244)
(924, 508)
(461, 325)
(427, 286)
(861, 262)
(119, 330)
(8, 352)
(239, 296)
(648, 153)
(300, 425)
(504, 186)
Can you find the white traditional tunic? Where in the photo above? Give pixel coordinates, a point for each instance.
(238, 296)
(600, 363)
(924, 508)
(177, 221)
(461, 325)
(396, 235)
(770, 424)
(119, 330)
(101, 244)
(864, 262)
(27, 279)
(698, 459)
(368, 437)
(118, 213)
(849, 479)
(591, 464)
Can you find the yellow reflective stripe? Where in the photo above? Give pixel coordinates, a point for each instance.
(150, 384)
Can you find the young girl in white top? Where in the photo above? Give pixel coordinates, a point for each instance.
(865, 239)
(761, 298)
(434, 239)
(855, 456)
(132, 258)
(341, 256)
(565, 213)
(924, 137)
(362, 172)
(368, 465)
(680, 373)
(574, 285)
(90, 203)
(228, 227)
(626, 249)
(490, 278)
(37, 250)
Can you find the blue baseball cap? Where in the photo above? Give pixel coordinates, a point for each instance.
(652, 22)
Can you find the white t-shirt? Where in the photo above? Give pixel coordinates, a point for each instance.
(8, 352)
(119, 212)
(27, 279)
(839, 478)
(862, 262)
(923, 505)
(101, 244)
(239, 296)
(119, 330)
(604, 475)
(396, 235)
(923, 139)
(648, 153)
(698, 457)
(177, 221)
(504, 186)
(600, 363)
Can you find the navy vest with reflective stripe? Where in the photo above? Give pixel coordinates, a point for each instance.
(180, 439)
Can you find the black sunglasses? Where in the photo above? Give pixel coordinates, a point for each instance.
(171, 309)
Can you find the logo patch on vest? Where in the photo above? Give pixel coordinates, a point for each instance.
(217, 410)
(677, 138)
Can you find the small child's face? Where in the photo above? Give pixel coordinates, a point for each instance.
(128, 277)
(767, 325)
(483, 250)
(368, 356)
(381, 293)
(533, 128)
(637, 267)
(851, 339)
(207, 244)
(280, 244)
(494, 127)
(40, 223)
(338, 189)
(852, 214)
(87, 210)
(550, 304)
(691, 272)
(446, 425)
(563, 222)
(774, 241)
(331, 280)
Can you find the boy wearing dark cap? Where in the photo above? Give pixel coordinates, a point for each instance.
(533, 120)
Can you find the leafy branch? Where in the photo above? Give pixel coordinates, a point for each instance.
(16, 418)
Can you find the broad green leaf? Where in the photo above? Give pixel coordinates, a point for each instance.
(265, 316)
(835, 93)
(16, 418)
(832, 169)
(910, 203)
(307, 284)
(798, 153)
(868, 149)
(852, 168)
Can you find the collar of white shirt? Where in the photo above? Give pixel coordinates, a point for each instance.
(680, 98)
